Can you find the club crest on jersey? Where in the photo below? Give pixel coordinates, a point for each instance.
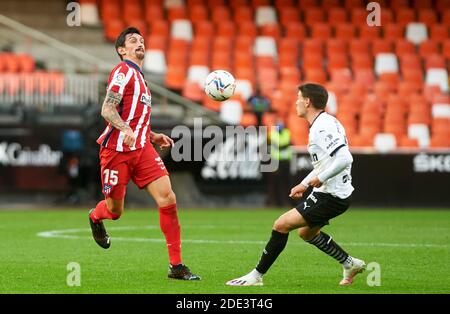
(107, 188)
(146, 99)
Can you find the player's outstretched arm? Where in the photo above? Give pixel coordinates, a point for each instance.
(109, 112)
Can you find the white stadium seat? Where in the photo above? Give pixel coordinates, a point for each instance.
(198, 73)
(332, 103)
(244, 88)
(181, 29)
(386, 63)
(441, 111)
(421, 132)
(416, 33)
(231, 112)
(385, 142)
(155, 61)
(438, 77)
(89, 14)
(265, 46)
(265, 15)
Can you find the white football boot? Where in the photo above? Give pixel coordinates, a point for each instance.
(357, 266)
(253, 278)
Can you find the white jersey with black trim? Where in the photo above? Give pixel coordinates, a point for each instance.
(326, 137)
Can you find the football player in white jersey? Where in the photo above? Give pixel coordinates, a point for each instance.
(330, 197)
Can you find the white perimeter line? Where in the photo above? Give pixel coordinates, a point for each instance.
(63, 234)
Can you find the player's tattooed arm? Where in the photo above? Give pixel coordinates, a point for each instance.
(109, 111)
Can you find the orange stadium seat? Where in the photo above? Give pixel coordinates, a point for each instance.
(315, 75)
(369, 32)
(446, 49)
(271, 30)
(288, 15)
(345, 31)
(439, 32)
(204, 29)
(307, 4)
(226, 29)
(280, 4)
(132, 12)
(364, 75)
(387, 16)
(352, 4)
(393, 31)
(113, 29)
(442, 5)
(312, 60)
(427, 16)
(259, 3)
(321, 31)
(404, 47)
(428, 47)
(362, 61)
(327, 4)
(193, 91)
(360, 46)
(247, 29)
(403, 16)
(198, 13)
(248, 119)
(243, 13)
(295, 31)
(175, 77)
(220, 13)
(211, 104)
(337, 61)
(238, 3)
(314, 15)
(337, 16)
(335, 45)
(359, 16)
(382, 46)
(446, 17)
(153, 13)
(410, 61)
(406, 142)
(156, 42)
(159, 27)
(222, 44)
(434, 61)
(176, 13)
(221, 60)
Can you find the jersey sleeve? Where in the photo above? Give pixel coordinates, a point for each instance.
(119, 78)
(329, 139)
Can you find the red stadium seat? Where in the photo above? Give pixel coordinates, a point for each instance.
(360, 46)
(404, 47)
(153, 13)
(271, 30)
(359, 16)
(198, 13)
(446, 49)
(393, 31)
(428, 47)
(204, 29)
(176, 13)
(337, 16)
(345, 31)
(243, 13)
(220, 13)
(315, 75)
(405, 16)
(439, 32)
(321, 31)
(296, 31)
(288, 15)
(434, 61)
(226, 29)
(382, 46)
(338, 46)
(314, 15)
(428, 16)
(369, 32)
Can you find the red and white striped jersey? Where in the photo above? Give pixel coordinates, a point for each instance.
(135, 108)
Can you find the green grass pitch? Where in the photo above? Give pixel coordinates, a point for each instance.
(412, 248)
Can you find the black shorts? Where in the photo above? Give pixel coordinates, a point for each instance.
(321, 207)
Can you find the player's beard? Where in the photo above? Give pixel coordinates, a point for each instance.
(139, 54)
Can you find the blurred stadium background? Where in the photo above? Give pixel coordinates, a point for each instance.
(388, 84)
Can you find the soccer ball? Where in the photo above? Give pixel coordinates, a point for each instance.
(220, 85)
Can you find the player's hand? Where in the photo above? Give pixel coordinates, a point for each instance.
(162, 140)
(297, 191)
(129, 137)
(315, 182)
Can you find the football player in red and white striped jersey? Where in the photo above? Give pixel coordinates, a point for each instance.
(126, 151)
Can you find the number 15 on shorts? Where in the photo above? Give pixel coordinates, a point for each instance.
(110, 176)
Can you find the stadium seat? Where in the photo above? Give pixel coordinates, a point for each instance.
(244, 89)
(416, 33)
(420, 132)
(405, 16)
(159, 28)
(360, 46)
(337, 16)
(231, 112)
(155, 62)
(175, 77)
(428, 47)
(427, 16)
(271, 30)
(441, 110)
(359, 16)
(369, 32)
(362, 61)
(404, 47)
(314, 15)
(243, 13)
(436, 61)
(393, 31)
(204, 29)
(265, 15)
(439, 32)
(265, 46)
(382, 46)
(295, 30)
(220, 13)
(385, 142)
(406, 142)
(181, 29)
(345, 31)
(89, 13)
(386, 63)
(437, 77)
(193, 91)
(321, 31)
(288, 15)
(247, 29)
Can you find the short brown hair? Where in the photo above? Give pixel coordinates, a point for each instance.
(120, 41)
(316, 93)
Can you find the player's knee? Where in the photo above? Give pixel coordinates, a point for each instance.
(281, 225)
(306, 235)
(167, 198)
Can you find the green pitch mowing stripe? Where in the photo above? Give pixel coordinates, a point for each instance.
(411, 246)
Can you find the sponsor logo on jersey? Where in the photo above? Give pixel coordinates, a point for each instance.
(119, 79)
(146, 99)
